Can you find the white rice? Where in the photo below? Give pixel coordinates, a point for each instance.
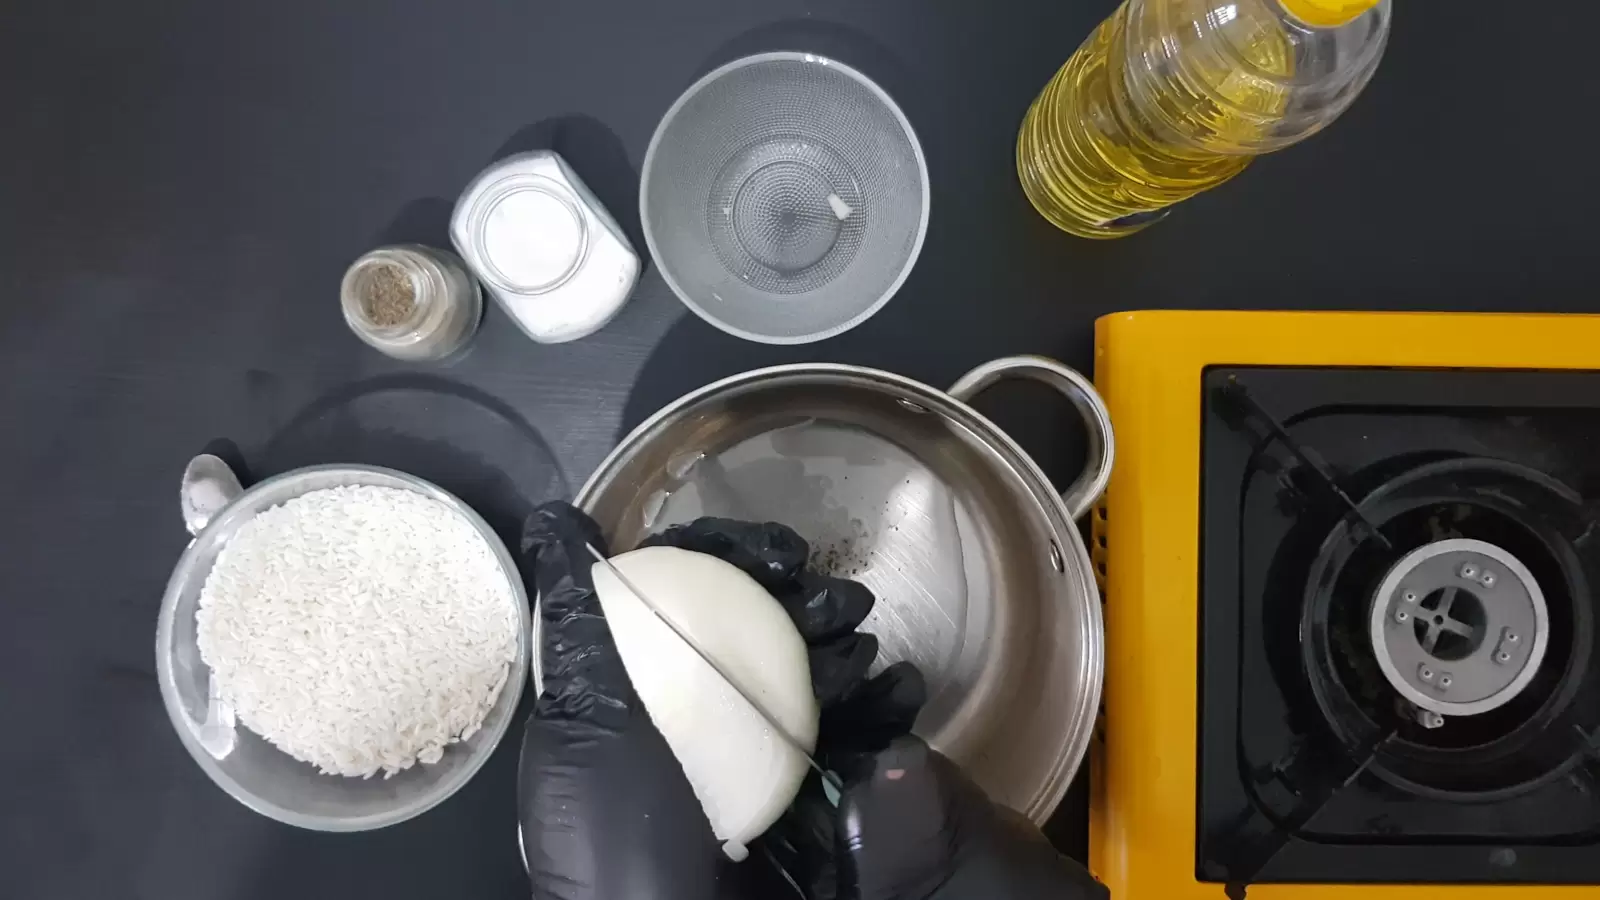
(359, 629)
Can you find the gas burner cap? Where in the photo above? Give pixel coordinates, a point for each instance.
(1459, 627)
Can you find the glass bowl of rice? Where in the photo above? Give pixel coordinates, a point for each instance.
(389, 656)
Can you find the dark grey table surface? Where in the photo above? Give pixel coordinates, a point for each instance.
(183, 183)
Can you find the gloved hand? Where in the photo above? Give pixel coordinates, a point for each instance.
(607, 813)
(913, 826)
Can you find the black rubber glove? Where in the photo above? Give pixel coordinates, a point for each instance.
(912, 826)
(606, 812)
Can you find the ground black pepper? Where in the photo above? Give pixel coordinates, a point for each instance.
(387, 296)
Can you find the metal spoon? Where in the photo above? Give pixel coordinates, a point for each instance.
(208, 487)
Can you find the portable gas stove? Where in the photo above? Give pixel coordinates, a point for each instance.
(1352, 587)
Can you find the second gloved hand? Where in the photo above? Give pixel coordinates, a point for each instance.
(913, 826)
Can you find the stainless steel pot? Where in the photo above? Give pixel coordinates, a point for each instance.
(981, 574)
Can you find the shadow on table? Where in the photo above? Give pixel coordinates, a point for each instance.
(423, 425)
(425, 220)
(694, 353)
(465, 847)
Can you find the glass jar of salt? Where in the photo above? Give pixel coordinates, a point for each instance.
(547, 250)
(411, 302)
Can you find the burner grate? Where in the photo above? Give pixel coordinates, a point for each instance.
(1499, 747)
(1314, 756)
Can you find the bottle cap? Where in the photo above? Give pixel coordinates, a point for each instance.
(1327, 13)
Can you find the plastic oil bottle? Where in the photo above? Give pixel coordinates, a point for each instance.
(1169, 98)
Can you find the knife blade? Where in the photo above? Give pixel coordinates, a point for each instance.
(829, 779)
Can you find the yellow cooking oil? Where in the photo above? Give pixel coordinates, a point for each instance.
(1168, 98)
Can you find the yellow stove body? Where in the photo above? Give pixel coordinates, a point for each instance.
(1148, 366)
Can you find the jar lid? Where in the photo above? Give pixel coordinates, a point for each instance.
(529, 234)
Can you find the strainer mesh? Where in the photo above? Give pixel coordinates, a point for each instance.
(784, 197)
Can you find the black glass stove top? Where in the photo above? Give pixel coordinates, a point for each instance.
(1320, 489)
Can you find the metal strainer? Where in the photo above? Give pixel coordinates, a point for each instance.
(784, 197)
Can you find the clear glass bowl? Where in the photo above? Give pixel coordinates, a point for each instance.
(260, 775)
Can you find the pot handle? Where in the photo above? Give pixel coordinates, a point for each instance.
(1085, 491)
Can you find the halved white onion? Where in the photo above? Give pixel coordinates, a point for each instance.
(743, 773)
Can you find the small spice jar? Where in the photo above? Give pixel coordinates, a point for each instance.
(411, 302)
